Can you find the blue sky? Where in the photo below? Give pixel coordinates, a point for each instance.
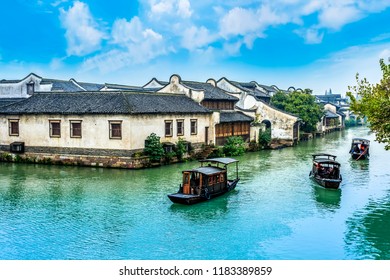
(316, 44)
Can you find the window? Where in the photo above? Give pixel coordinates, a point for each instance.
(75, 129)
(180, 127)
(168, 128)
(55, 128)
(13, 127)
(30, 88)
(194, 127)
(115, 129)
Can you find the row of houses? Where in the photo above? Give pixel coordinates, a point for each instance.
(107, 124)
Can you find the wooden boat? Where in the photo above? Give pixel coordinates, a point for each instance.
(360, 148)
(205, 182)
(326, 171)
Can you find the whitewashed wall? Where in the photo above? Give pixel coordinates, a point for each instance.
(34, 130)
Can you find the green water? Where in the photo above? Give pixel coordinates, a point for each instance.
(276, 212)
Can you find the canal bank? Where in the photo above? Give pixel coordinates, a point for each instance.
(276, 212)
(123, 158)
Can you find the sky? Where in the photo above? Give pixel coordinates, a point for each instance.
(315, 44)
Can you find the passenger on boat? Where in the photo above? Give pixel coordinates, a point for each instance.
(362, 148)
(320, 169)
(355, 149)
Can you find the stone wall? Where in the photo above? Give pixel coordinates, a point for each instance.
(130, 159)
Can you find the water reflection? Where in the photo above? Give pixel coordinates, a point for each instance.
(368, 234)
(208, 210)
(276, 211)
(327, 198)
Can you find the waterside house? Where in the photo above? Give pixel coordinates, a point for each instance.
(254, 101)
(231, 122)
(100, 128)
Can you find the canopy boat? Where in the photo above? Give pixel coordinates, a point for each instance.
(326, 171)
(360, 148)
(205, 182)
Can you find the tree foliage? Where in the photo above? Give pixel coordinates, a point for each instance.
(234, 146)
(265, 137)
(153, 148)
(302, 104)
(373, 101)
(181, 148)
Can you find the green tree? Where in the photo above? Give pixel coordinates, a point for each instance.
(234, 146)
(373, 101)
(302, 104)
(153, 147)
(181, 148)
(265, 137)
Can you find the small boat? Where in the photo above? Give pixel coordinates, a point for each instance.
(326, 171)
(205, 182)
(360, 148)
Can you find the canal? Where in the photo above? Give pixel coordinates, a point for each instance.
(275, 213)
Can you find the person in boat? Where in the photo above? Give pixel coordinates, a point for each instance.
(331, 172)
(363, 148)
(320, 169)
(355, 149)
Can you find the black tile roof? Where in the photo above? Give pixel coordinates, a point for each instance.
(8, 101)
(234, 116)
(65, 86)
(330, 114)
(104, 103)
(210, 92)
(251, 88)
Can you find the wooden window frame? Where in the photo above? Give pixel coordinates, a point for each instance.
(11, 123)
(72, 129)
(170, 123)
(110, 124)
(52, 130)
(195, 130)
(181, 133)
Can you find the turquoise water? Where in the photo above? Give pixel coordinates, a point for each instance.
(276, 212)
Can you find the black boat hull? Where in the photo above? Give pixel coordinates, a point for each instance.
(359, 156)
(326, 182)
(189, 199)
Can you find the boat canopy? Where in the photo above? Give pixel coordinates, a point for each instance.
(207, 170)
(220, 160)
(323, 155)
(359, 140)
(327, 161)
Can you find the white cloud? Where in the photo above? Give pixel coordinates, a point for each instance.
(82, 32)
(311, 35)
(337, 15)
(251, 23)
(338, 70)
(239, 21)
(184, 8)
(195, 38)
(181, 8)
(132, 44)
